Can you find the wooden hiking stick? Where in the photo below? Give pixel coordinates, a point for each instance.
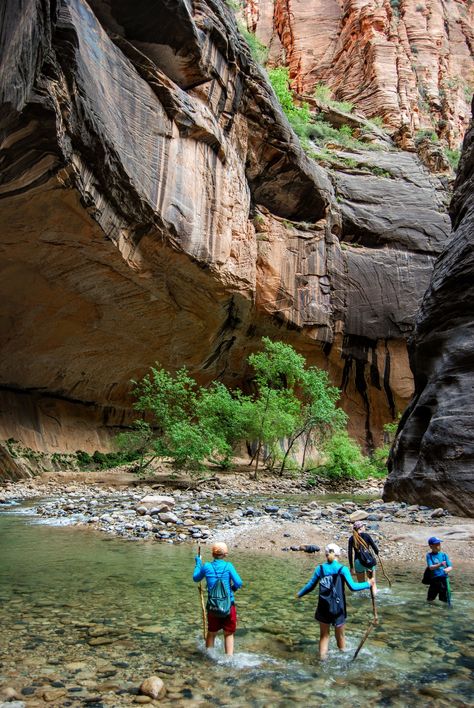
(373, 622)
(203, 606)
(384, 573)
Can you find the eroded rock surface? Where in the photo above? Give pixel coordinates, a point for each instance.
(433, 455)
(409, 61)
(155, 205)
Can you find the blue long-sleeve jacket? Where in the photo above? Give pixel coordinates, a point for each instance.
(332, 569)
(229, 574)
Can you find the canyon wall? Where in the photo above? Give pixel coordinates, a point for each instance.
(433, 455)
(408, 61)
(155, 205)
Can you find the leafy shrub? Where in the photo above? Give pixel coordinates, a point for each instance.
(298, 116)
(453, 157)
(344, 459)
(105, 460)
(377, 121)
(324, 95)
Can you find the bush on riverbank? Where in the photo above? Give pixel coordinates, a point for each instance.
(292, 406)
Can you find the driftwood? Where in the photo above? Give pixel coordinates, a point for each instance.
(173, 482)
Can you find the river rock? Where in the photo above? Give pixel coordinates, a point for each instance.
(358, 515)
(168, 517)
(151, 501)
(9, 694)
(53, 694)
(437, 513)
(153, 687)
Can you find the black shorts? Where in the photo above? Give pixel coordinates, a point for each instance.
(438, 586)
(322, 614)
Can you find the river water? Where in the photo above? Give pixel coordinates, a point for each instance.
(93, 616)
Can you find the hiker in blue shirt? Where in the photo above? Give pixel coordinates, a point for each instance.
(440, 567)
(331, 609)
(219, 568)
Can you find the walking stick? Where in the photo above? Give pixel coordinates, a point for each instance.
(448, 588)
(385, 574)
(373, 622)
(203, 607)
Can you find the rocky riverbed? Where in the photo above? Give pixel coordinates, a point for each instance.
(284, 517)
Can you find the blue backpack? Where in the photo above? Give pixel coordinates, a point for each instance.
(218, 597)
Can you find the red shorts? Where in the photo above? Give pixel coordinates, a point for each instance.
(228, 624)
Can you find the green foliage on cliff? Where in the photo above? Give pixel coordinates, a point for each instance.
(453, 157)
(257, 49)
(298, 116)
(324, 95)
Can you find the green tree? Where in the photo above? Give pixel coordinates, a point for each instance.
(278, 371)
(319, 417)
(227, 415)
(380, 454)
(139, 439)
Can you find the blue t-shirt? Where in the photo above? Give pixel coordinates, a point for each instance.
(433, 559)
(216, 569)
(332, 569)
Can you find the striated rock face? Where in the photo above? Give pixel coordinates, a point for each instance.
(433, 455)
(409, 61)
(155, 205)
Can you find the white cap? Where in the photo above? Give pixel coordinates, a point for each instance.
(333, 548)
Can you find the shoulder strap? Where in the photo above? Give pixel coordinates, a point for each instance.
(321, 571)
(222, 572)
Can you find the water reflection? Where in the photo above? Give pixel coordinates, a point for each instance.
(97, 615)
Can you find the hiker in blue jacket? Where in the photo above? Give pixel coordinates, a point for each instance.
(440, 567)
(219, 568)
(331, 609)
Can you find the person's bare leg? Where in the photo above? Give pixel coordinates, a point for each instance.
(210, 639)
(371, 574)
(229, 644)
(340, 637)
(323, 640)
(360, 577)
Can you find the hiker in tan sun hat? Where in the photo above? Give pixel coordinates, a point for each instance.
(222, 581)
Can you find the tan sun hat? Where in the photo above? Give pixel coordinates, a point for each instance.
(219, 549)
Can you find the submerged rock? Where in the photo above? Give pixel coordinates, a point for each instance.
(153, 687)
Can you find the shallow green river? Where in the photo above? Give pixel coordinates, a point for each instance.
(64, 592)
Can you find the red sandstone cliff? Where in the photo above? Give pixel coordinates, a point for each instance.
(155, 205)
(408, 61)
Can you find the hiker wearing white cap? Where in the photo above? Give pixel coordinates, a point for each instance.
(359, 546)
(222, 581)
(331, 609)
